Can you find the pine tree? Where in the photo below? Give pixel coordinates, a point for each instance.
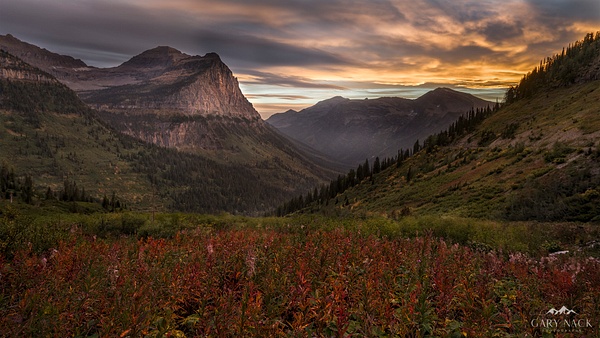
(28, 189)
(376, 166)
(416, 147)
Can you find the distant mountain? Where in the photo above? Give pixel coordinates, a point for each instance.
(231, 160)
(351, 130)
(536, 158)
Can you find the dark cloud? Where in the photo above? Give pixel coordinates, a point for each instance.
(107, 32)
(259, 77)
(467, 53)
(279, 96)
(252, 50)
(502, 31)
(332, 13)
(565, 11)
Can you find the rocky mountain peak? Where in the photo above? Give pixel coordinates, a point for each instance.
(332, 101)
(212, 55)
(161, 56)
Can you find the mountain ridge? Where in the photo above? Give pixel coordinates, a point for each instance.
(38, 57)
(351, 130)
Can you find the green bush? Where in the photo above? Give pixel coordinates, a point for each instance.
(130, 223)
(18, 230)
(558, 153)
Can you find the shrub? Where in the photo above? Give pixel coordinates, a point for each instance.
(558, 153)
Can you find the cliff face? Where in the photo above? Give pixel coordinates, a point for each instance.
(189, 132)
(221, 97)
(13, 68)
(195, 85)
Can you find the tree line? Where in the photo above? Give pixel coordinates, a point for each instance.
(463, 125)
(21, 188)
(559, 70)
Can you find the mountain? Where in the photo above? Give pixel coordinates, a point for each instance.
(166, 81)
(162, 80)
(536, 158)
(351, 130)
(49, 135)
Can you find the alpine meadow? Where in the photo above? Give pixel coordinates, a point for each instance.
(151, 198)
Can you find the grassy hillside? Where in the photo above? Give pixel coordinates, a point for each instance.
(536, 158)
(540, 162)
(54, 143)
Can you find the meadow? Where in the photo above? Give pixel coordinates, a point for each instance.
(129, 275)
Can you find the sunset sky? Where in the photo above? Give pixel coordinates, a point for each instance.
(293, 53)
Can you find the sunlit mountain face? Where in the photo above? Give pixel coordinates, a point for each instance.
(292, 54)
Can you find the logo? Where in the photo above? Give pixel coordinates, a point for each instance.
(563, 311)
(563, 320)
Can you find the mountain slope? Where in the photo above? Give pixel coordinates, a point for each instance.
(351, 130)
(537, 158)
(38, 57)
(48, 133)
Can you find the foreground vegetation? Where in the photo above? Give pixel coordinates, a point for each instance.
(194, 275)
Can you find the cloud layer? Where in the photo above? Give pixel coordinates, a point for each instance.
(296, 52)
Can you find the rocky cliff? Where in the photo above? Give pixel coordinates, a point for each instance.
(186, 85)
(12, 68)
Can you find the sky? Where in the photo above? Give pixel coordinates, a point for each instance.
(290, 54)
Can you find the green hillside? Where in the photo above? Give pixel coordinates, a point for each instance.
(48, 134)
(536, 158)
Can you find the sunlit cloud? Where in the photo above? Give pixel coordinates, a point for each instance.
(294, 53)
